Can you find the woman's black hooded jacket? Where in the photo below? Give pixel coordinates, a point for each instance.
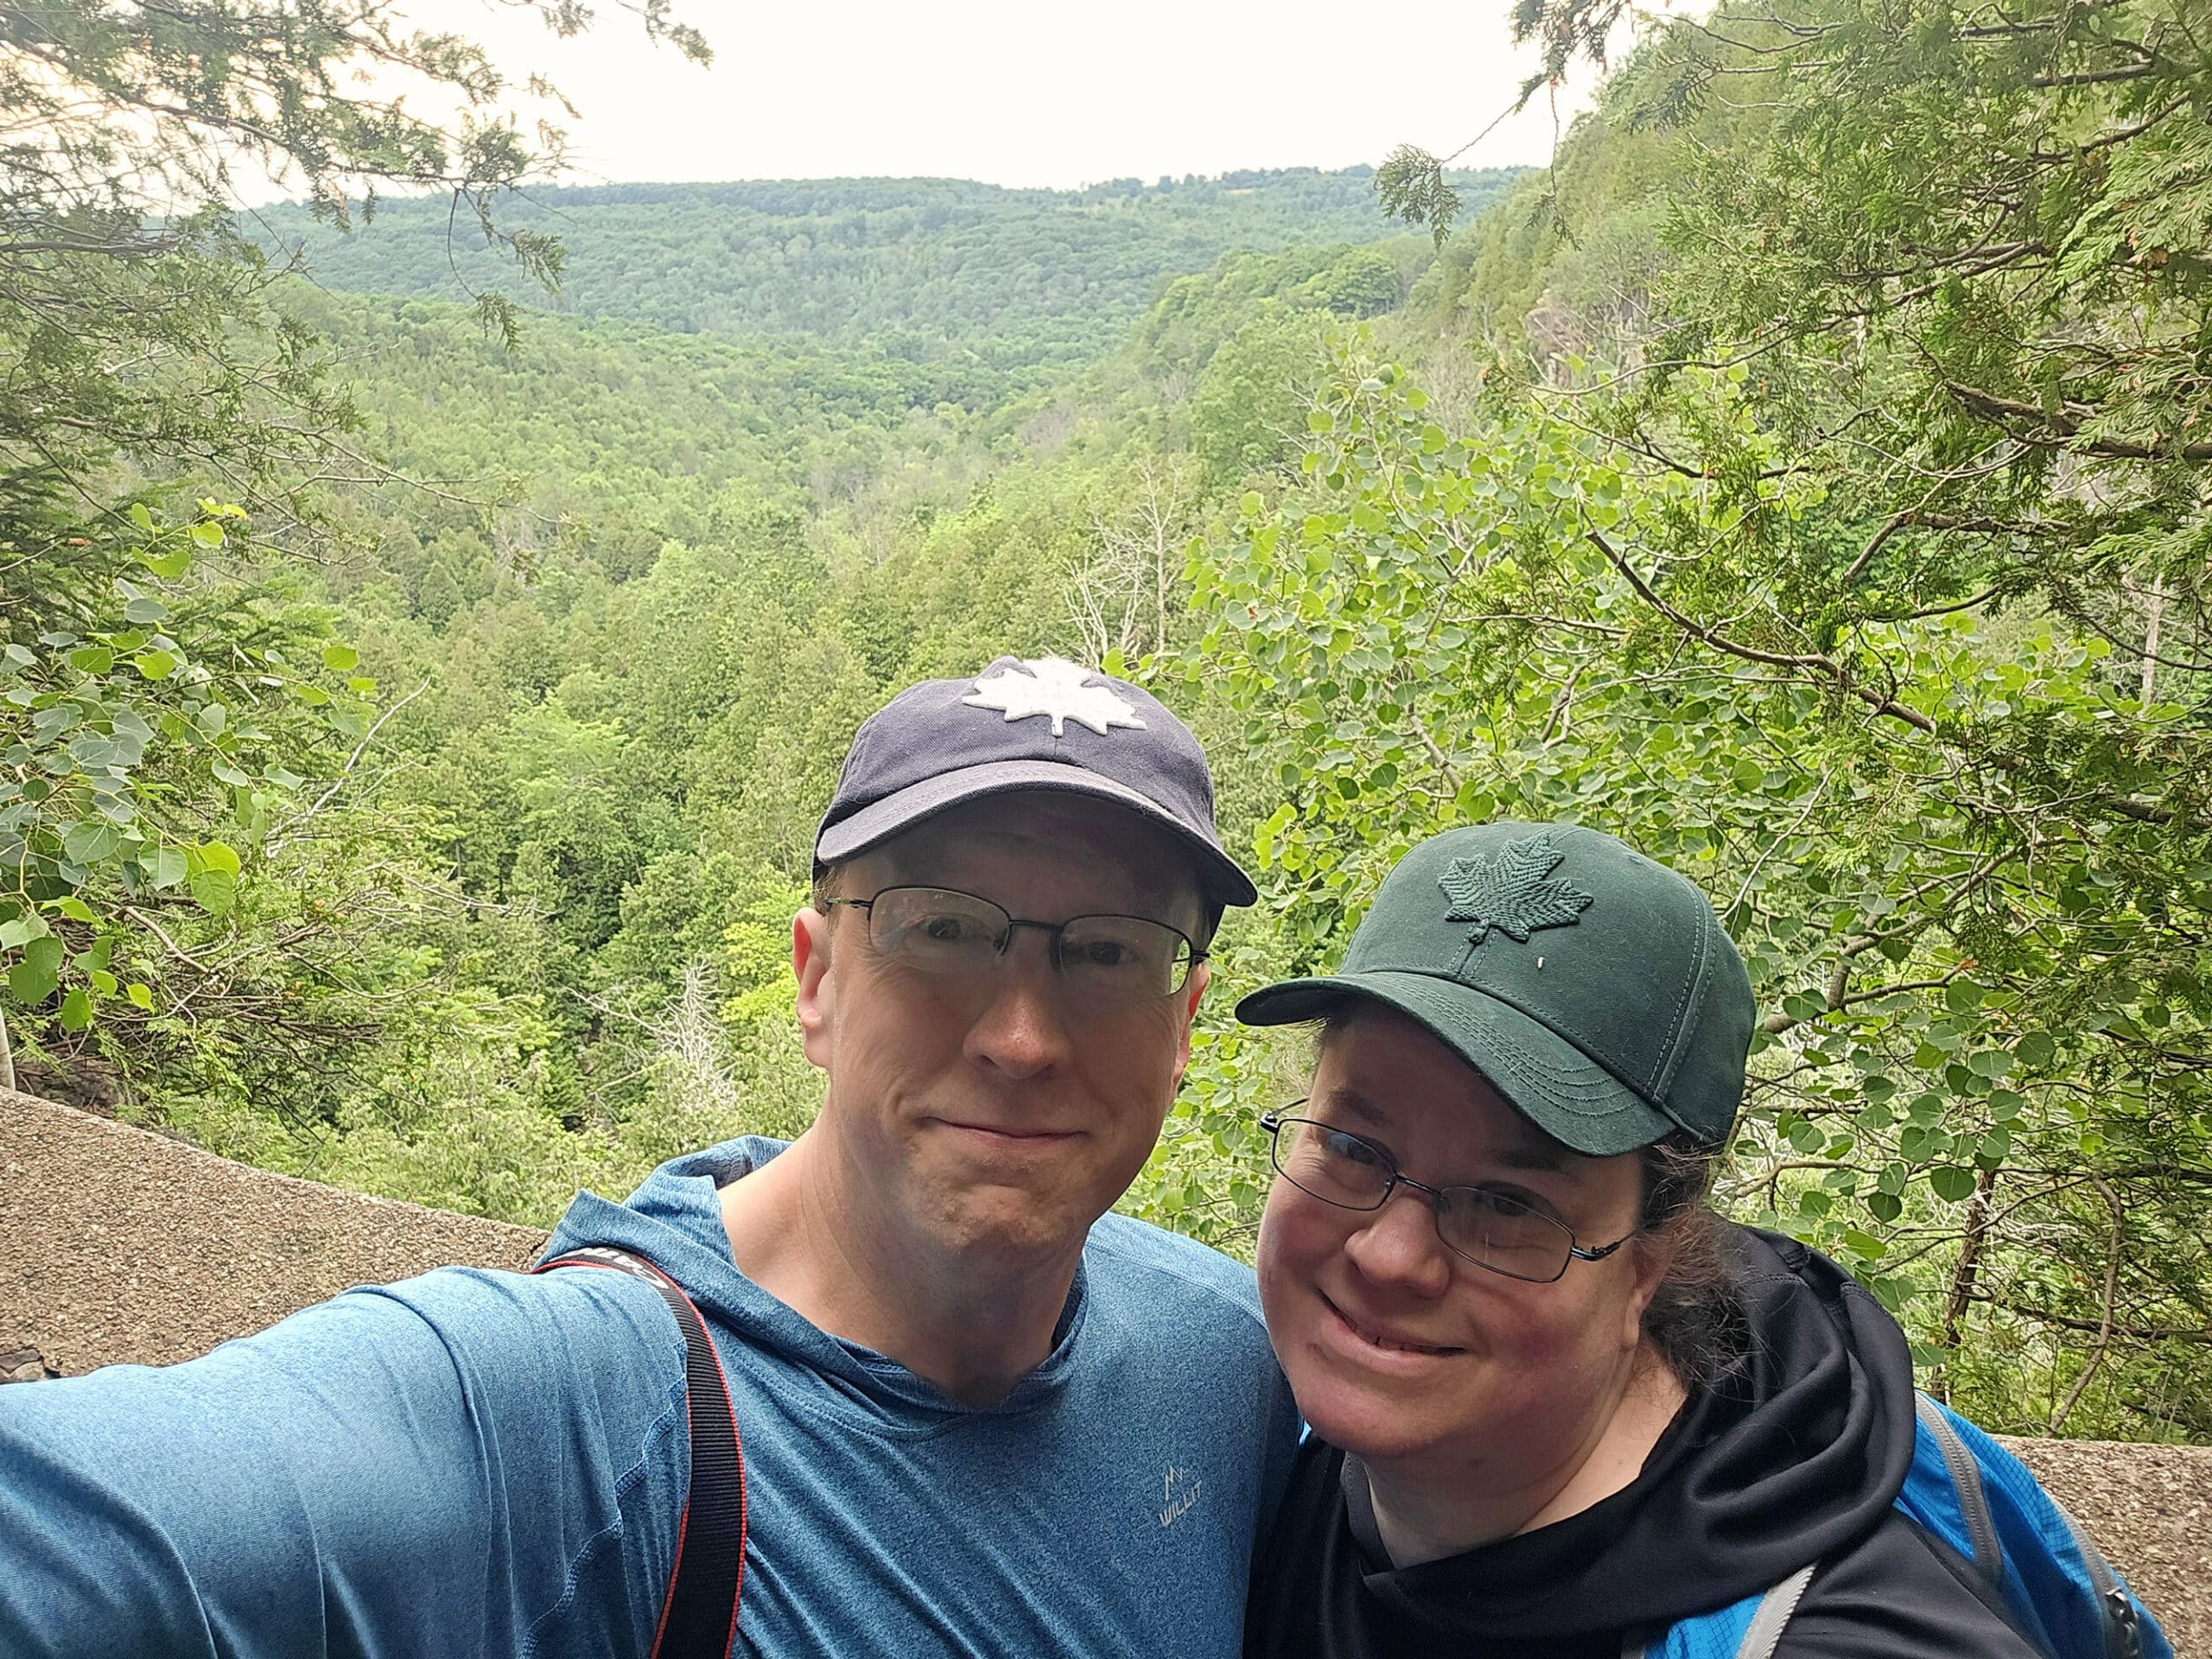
(1797, 1457)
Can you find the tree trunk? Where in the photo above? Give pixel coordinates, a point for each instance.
(2151, 639)
(1969, 1264)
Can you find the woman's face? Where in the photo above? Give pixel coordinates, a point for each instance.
(1401, 1351)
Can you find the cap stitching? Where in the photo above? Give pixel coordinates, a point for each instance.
(1663, 1067)
(1535, 1070)
(1701, 997)
(1522, 1064)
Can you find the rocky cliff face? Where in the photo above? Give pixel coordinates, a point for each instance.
(117, 1245)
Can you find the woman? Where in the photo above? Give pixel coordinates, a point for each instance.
(1558, 1405)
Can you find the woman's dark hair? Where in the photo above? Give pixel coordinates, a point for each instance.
(1694, 1321)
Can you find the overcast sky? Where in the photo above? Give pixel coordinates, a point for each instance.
(1027, 94)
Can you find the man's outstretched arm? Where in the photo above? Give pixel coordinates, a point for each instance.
(466, 1462)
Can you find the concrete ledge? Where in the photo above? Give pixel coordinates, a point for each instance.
(118, 1245)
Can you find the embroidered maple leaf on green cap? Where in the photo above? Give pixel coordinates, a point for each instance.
(1511, 891)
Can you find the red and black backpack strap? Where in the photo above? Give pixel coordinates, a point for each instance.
(698, 1615)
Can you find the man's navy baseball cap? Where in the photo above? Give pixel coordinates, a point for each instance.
(1022, 725)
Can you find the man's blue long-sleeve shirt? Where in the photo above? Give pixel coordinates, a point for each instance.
(482, 1463)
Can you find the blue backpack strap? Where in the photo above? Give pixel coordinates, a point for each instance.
(1751, 1629)
(1979, 1543)
(1773, 1610)
(1976, 1496)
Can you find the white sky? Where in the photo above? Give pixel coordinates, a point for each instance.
(1024, 93)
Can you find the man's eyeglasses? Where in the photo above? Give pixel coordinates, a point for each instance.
(1491, 1228)
(939, 931)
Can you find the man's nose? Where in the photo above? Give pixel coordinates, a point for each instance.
(1398, 1246)
(1021, 1028)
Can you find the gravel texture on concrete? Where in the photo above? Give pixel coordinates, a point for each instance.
(117, 1244)
(120, 1245)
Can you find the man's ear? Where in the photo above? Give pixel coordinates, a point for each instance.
(1194, 988)
(1188, 1007)
(811, 967)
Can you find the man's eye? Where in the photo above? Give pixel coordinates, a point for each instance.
(1103, 953)
(948, 929)
(1352, 1149)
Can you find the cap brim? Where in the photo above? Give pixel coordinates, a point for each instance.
(1550, 1082)
(878, 821)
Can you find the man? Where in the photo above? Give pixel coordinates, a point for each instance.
(976, 1418)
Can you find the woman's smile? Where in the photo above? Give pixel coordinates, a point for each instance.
(1373, 1342)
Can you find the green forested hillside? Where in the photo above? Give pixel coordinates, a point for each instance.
(913, 268)
(1803, 479)
(1826, 512)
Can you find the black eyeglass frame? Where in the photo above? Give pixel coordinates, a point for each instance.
(1053, 931)
(1275, 1122)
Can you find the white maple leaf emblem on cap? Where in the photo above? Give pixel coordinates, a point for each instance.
(1054, 686)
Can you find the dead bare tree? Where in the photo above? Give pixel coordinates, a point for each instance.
(1119, 597)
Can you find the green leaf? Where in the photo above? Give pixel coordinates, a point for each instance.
(93, 841)
(216, 890)
(21, 931)
(1953, 1184)
(155, 664)
(172, 563)
(218, 855)
(339, 658)
(141, 995)
(142, 518)
(92, 659)
(32, 980)
(76, 1009)
(75, 909)
(167, 867)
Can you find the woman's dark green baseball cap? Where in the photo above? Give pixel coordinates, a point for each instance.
(1594, 989)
